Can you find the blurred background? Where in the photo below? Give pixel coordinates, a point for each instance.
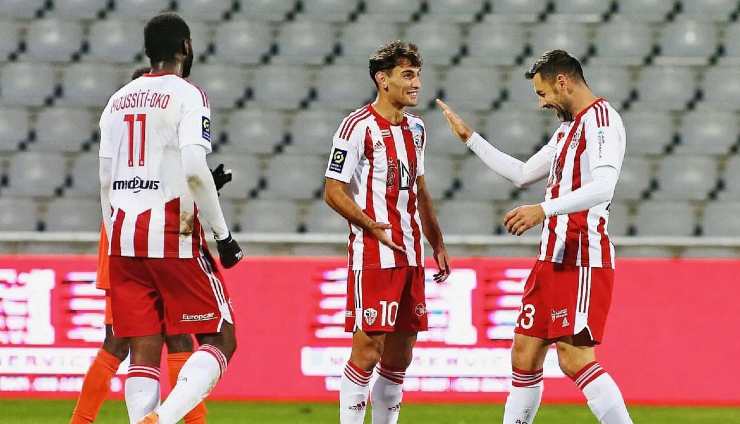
(281, 75)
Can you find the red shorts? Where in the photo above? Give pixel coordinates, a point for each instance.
(167, 296)
(386, 300)
(563, 300)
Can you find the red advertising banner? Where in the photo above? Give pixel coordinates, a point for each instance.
(670, 320)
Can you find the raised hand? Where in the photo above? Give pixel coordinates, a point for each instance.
(456, 123)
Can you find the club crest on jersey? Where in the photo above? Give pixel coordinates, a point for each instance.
(338, 157)
(420, 309)
(370, 315)
(417, 133)
(205, 124)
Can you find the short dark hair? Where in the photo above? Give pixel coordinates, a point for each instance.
(140, 71)
(556, 62)
(390, 55)
(163, 36)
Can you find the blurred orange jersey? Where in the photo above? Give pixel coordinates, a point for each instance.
(103, 278)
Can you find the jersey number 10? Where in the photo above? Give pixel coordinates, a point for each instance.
(141, 119)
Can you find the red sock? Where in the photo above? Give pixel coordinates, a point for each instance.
(95, 388)
(175, 361)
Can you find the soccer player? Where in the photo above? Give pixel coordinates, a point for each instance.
(157, 194)
(96, 385)
(375, 179)
(567, 295)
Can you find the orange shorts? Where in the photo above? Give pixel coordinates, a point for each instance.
(108, 311)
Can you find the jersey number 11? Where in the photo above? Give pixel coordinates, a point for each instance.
(141, 119)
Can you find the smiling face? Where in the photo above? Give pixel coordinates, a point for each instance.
(402, 84)
(554, 94)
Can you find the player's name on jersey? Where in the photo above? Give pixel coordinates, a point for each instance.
(148, 98)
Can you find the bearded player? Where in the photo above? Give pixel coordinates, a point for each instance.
(375, 179)
(567, 295)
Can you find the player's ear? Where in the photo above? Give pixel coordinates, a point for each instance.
(187, 47)
(381, 78)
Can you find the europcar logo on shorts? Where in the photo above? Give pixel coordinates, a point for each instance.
(198, 317)
(370, 315)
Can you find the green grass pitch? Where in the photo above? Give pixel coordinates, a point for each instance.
(57, 411)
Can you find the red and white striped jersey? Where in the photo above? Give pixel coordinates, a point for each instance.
(594, 138)
(142, 129)
(380, 162)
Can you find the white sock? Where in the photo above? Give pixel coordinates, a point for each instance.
(141, 391)
(603, 395)
(524, 397)
(353, 394)
(386, 395)
(198, 376)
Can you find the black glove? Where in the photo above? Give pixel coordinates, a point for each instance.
(220, 176)
(229, 251)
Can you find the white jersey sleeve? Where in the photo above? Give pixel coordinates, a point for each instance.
(605, 141)
(195, 119)
(346, 153)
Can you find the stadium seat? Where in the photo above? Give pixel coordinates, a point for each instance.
(721, 88)
(87, 84)
(613, 82)
(203, 10)
(254, 131)
(648, 132)
(280, 87)
(312, 130)
(392, 10)
(35, 174)
(665, 88)
(472, 88)
(634, 178)
(467, 217)
(439, 41)
(269, 216)
(328, 10)
(439, 174)
(590, 11)
(495, 44)
(304, 42)
(731, 45)
(517, 133)
(24, 9)
(520, 92)
(686, 177)
(62, 129)
(358, 40)
(430, 87)
(85, 177)
(70, 214)
(440, 140)
(320, 218)
(26, 84)
(730, 176)
(246, 173)
(687, 42)
(454, 10)
(619, 219)
(229, 208)
(720, 219)
(18, 214)
(112, 41)
(644, 10)
(140, 9)
(242, 42)
(709, 10)
(266, 10)
(53, 40)
(571, 37)
(708, 132)
(223, 84)
(78, 9)
(516, 10)
(14, 127)
(481, 183)
(622, 42)
(296, 177)
(651, 219)
(200, 34)
(9, 38)
(534, 193)
(343, 87)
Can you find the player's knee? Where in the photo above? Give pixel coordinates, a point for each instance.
(368, 354)
(116, 346)
(179, 343)
(567, 362)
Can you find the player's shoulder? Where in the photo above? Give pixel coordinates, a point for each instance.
(357, 120)
(189, 91)
(602, 114)
(413, 119)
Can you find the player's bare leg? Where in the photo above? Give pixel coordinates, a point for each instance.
(577, 359)
(198, 376)
(367, 349)
(527, 358)
(387, 392)
(142, 383)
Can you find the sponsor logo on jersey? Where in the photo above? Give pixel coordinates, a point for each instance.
(420, 309)
(136, 184)
(338, 157)
(562, 313)
(602, 140)
(198, 317)
(205, 124)
(370, 315)
(379, 145)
